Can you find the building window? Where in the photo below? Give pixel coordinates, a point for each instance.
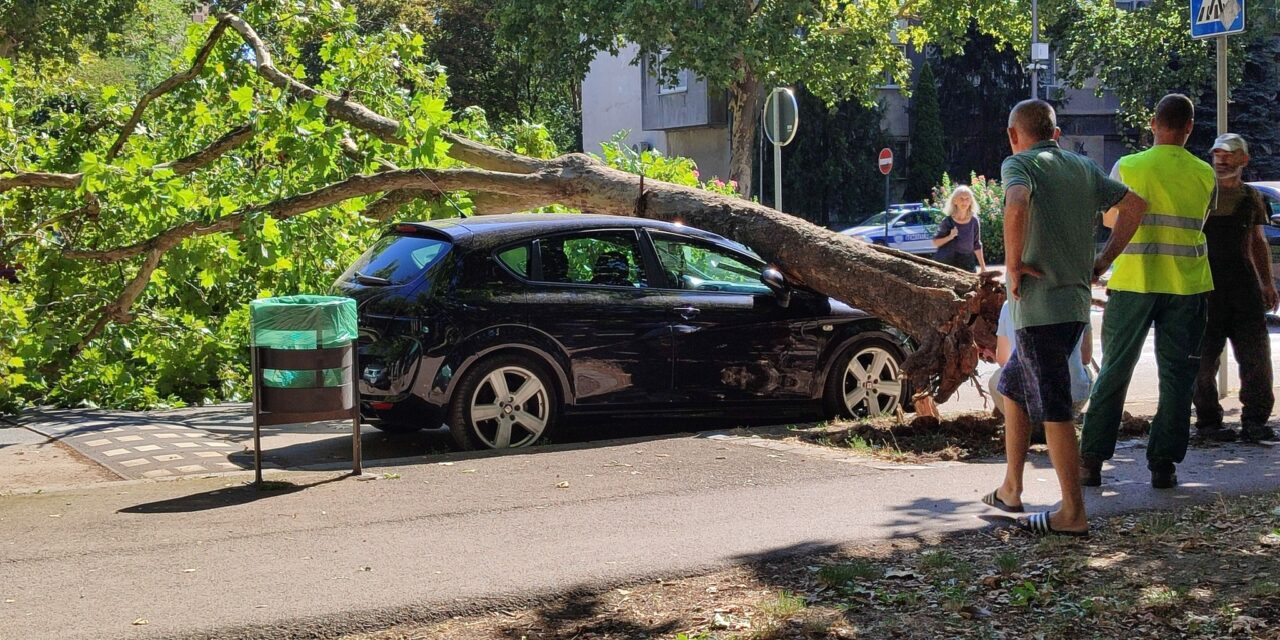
(669, 82)
(1130, 5)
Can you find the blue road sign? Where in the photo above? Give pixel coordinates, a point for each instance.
(1211, 18)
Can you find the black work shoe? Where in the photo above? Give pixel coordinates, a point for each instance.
(1090, 472)
(1165, 478)
(1216, 433)
(1257, 433)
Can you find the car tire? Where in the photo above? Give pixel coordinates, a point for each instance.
(479, 415)
(864, 380)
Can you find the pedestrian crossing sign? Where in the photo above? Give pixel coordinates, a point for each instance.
(1211, 18)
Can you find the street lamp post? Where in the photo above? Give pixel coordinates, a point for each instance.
(1035, 40)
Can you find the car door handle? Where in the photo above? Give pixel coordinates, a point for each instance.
(687, 311)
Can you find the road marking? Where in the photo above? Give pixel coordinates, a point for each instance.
(148, 447)
(168, 457)
(115, 452)
(128, 438)
(98, 443)
(137, 462)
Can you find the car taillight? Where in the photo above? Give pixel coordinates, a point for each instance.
(380, 406)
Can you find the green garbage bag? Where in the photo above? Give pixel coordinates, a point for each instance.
(302, 322)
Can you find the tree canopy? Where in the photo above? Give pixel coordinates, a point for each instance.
(838, 50)
(143, 226)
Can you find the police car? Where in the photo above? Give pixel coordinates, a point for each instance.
(911, 228)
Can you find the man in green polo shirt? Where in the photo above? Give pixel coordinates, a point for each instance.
(1052, 198)
(1160, 280)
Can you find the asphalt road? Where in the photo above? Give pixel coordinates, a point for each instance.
(207, 557)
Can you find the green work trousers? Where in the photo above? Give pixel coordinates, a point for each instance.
(1179, 322)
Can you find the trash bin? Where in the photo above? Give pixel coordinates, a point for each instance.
(304, 365)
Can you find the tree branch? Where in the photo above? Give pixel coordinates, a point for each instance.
(363, 118)
(118, 309)
(229, 140)
(495, 203)
(169, 84)
(484, 156)
(354, 187)
(352, 113)
(387, 205)
(41, 180)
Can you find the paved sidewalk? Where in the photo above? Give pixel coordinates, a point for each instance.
(137, 445)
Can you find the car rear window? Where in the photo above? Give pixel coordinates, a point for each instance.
(516, 259)
(398, 258)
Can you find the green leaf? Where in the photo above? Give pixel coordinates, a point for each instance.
(270, 230)
(243, 97)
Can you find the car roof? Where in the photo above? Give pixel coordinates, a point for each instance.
(1271, 188)
(487, 231)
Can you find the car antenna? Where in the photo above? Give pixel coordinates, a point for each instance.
(443, 193)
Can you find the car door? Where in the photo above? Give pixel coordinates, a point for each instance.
(591, 293)
(733, 341)
(915, 236)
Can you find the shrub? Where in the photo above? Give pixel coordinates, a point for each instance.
(652, 163)
(988, 195)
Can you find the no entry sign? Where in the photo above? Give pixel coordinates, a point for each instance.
(886, 160)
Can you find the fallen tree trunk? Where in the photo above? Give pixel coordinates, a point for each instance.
(951, 314)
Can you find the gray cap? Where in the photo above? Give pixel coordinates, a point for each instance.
(1231, 142)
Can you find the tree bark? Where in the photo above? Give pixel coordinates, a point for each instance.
(744, 105)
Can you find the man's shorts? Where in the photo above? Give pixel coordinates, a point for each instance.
(1038, 375)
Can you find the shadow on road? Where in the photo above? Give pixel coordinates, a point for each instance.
(225, 497)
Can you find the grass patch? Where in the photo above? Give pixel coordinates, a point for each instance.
(1158, 524)
(854, 572)
(1007, 563)
(924, 439)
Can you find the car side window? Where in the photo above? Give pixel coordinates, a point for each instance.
(516, 259)
(609, 259)
(702, 267)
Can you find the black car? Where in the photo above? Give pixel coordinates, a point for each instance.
(500, 325)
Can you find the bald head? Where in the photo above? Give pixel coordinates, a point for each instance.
(1034, 119)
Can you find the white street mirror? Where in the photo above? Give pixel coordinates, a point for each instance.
(781, 116)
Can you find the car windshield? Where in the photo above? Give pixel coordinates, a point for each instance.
(396, 259)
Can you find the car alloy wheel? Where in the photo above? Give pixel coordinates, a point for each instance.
(510, 407)
(870, 383)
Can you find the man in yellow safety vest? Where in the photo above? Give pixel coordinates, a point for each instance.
(1161, 279)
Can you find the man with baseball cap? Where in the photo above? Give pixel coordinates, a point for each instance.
(1244, 291)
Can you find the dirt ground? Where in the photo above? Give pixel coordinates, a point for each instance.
(1200, 572)
(30, 466)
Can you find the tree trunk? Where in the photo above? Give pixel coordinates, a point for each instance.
(744, 106)
(951, 313)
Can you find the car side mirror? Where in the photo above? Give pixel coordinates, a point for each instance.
(900, 223)
(777, 283)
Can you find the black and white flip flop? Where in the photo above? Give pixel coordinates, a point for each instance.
(1038, 524)
(993, 500)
